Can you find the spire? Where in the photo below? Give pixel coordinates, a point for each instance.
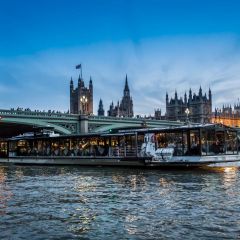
(176, 97)
(80, 81)
(185, 97)
(210, 94)
(190, 94)
(100, 108)
(200, 92)
(126, 88)
(71, 84)
(90, 83)
(166, 97)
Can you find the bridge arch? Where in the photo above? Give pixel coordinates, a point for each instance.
(29, 124)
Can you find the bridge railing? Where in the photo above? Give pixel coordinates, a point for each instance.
(132, 119)
(33, 113)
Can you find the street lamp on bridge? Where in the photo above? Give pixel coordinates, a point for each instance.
(187, 111)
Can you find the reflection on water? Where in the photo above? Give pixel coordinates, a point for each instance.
(5, 193)
(118, 203)
(230, 176)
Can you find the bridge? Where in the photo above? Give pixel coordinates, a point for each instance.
(14, 122)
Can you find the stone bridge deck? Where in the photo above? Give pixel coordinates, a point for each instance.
(65, 123)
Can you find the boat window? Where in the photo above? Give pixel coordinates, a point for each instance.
(231, 142)
(55, 151)
(84, 146)
(114, 141)
(38, 148)
(48, 147)
(185, 143)
(120, 149)
(194, 144)
(161, 140)
(204, 143)
(176, 140)
(3, 149)
(64, 147)
(140, 141)
(116, 144)
(209, 142)
(130, 141)
(220, 141)
(33, 145)
(22, 148)
(102, 146)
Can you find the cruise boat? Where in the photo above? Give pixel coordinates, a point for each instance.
(211, 145)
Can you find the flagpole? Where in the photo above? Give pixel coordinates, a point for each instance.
(79, 66)
(81, 71)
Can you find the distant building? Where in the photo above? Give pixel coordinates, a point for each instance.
(125, 108)
(100, 108)
(200, 107)
(227, 115)
(158, 114)
(114, 110)
(81, 98)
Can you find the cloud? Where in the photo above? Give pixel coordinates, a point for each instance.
(154, 67)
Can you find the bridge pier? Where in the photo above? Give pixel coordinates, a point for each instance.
(83, 122)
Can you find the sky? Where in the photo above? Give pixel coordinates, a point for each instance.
(162, 45)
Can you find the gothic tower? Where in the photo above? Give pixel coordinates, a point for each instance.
(125, 108)
(81, 98)
(100, 108)
(126, 105)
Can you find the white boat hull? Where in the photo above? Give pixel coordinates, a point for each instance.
(198, 161)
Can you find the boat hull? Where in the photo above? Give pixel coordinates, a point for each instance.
(176, 162)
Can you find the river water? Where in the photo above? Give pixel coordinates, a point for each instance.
(44, 202)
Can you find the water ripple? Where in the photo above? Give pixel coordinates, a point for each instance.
(116, 203)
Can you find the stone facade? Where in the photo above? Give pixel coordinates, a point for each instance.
(125, 108)
(228, 111)
(81, 97)
(200, 107)
(158, 114)
(228, 115)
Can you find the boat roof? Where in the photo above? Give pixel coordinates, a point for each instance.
(182, 128)
(122, 132)
(202, 126)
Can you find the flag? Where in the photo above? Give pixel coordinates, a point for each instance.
(78, 66)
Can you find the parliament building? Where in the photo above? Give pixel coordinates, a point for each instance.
(228, 115)
(199, 106)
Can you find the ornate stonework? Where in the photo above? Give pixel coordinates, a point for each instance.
(199, 106)
(81, 98)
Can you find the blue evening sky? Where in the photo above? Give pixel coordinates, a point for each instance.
(162, 45)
